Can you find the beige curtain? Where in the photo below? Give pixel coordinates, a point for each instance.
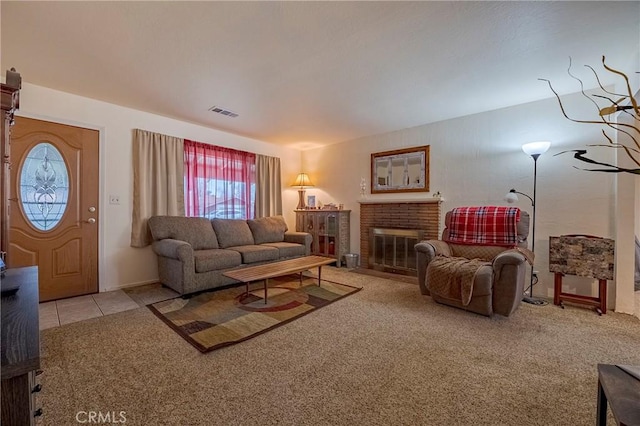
(158, 181)
(268, 186)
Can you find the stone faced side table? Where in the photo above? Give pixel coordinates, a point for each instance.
(584, 256)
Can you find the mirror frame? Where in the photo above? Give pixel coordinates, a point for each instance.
(422, 152)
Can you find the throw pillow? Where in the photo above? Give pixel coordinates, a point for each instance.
(268, 229)
(232, 232)
(197, 231)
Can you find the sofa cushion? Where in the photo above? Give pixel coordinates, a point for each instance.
(253, 253)
(483, 281)
(197, 231)
(232, 232)
(268, 229)
(216, 259)
(288, 249)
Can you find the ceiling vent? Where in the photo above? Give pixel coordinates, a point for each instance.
(223, 111)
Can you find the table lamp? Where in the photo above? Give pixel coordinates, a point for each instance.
(302, 181)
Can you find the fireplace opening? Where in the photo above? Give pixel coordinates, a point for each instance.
(391, 250)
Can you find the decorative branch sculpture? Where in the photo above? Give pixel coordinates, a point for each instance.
(632, 131)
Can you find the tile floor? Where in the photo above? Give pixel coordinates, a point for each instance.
(65, 311)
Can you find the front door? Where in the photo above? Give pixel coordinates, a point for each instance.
(54, 206)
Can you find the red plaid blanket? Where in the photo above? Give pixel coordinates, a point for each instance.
(489, 225)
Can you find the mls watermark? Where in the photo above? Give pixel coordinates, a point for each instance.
(101, 417)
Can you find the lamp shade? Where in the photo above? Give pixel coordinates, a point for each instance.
(536, 148)
(302, 180)
(511, 197)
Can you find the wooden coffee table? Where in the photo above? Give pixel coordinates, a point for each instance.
(621, 392)
(278, 269)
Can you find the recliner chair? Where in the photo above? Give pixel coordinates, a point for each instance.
(499, 283)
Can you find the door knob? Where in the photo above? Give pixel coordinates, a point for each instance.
(92, 209)
(91, 220)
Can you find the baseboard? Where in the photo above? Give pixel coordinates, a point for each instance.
(128, 285)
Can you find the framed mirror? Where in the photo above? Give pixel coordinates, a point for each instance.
(402, 170)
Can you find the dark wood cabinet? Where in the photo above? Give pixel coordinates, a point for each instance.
(330, 230)
(20, 351)
(9, 103)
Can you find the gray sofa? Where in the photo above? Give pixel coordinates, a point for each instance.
(194, 252)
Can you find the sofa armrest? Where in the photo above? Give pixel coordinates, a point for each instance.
(509, 269)
(507, 257)
(176, 263)
(173, 249)
(426, 251)
(437, 247)
(303, 238)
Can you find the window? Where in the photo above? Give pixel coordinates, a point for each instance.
(44, 186)
(218, 182)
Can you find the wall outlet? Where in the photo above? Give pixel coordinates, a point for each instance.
(114, 199)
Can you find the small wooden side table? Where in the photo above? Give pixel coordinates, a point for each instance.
(584, 256)
(620, 391)
(599, 302)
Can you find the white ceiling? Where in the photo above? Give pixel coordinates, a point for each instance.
(305, 74)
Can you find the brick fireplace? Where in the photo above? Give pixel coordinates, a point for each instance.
(421, 216)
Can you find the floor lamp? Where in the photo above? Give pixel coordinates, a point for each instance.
(535, 150)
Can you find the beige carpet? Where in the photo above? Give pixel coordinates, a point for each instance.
(383, 356)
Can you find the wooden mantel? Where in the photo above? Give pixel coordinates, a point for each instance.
(399, 200)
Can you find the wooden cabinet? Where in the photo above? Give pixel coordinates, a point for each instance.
(20, 353)
(330, 230)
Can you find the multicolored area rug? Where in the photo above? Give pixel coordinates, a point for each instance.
(225, 317)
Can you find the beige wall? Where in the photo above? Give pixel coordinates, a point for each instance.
(627, 212)
(121, 265)
(476, 159)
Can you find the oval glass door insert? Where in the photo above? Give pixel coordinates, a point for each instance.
(44, 186)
